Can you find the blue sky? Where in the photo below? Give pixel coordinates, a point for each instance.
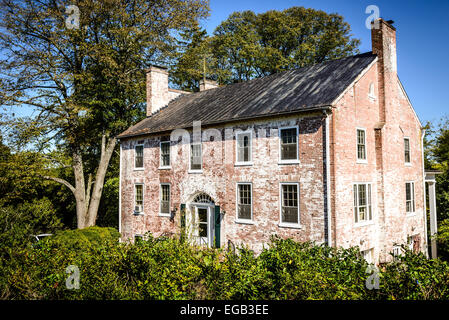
(422, 30)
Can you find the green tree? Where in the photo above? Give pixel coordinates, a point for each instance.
(85, 78)
(248, 45)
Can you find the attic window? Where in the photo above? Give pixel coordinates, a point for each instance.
(371, 93)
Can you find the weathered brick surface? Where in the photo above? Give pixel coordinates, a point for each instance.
(387, 117)
(219, 178)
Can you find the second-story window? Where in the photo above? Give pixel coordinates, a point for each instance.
(407, 150)
(361, 145)
(244, 147)
(289, 144)
(138, 159)
(196, 161)
(410, 197)
(165, 154)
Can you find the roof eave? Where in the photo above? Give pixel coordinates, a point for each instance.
(324, 107)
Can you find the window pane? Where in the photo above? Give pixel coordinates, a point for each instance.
(289, 144)
(195, 157)
(243, 147)
(165, 199)
(356, 214)
(139, 157)
(244, 201)
(165, 154)
(139, 195)
(407, 150)
(361, 145)
(289, 212)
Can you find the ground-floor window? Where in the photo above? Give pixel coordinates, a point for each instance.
(290, 203)
(138, 198)
(362, 202)
(244, 201)
(165, 199)
(410, 197)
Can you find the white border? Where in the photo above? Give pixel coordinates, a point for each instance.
(363, 161)
(368, 221)
(290, 161)
(237, 219)
(190, 159)
(244, 163)
(143, 199)
(286, 224)
(160, 214)
(408, 164)
(160, 155)
(143, 157)
(412, 213)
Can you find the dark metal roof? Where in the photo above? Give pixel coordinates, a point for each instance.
(285, 92)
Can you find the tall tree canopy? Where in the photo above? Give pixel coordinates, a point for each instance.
(249, 45)
(82, 69)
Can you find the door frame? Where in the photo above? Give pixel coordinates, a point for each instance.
(210, 220)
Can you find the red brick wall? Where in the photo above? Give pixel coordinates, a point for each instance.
(385, 167)
(219, 178)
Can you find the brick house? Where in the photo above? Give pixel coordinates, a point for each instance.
(330, 153)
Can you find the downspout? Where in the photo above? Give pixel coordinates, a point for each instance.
(424, 194)
(120, 194)
(328, 184)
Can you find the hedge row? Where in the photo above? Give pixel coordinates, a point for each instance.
(170, 269)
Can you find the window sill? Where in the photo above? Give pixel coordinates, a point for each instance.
(410, 214)
(165, 215)
(362, 161)
(139, 169)
(138, 213)
(164, 168)
(290, 225)
(408, 164)
(363, 224)
(288, 162)
(242, 221)
(195, 171)
(242, 164)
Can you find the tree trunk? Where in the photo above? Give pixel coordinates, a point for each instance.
(106, 153)
(80, 191)
(87, 204)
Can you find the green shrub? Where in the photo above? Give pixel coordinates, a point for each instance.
(170, 269)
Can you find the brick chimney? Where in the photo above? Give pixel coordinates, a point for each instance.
(157, 89)
(383, 37)
(208, 84)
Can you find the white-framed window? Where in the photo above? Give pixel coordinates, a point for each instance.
(138, 198)
(244, 202)
(289, 204)
(165, 154)
(371, 93)
(244, 147)
(368, 255)
(196, 159)
(410, 197)
(288, 145)
(363, 211)
(164, 195)
(138, 156)
(407, 157)
(361, 145)
(396, 251)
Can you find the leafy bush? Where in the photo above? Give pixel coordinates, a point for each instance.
(166, 268)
